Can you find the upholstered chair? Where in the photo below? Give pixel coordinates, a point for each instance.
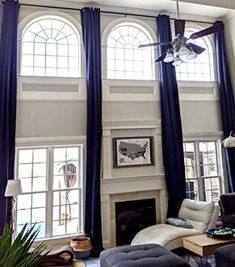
(200, 214)
(227, 207)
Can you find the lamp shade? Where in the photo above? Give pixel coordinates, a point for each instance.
(13, 188)
(229, 141)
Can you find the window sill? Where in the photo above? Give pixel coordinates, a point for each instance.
(54, 242)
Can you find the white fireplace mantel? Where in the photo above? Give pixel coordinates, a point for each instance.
(129, 188)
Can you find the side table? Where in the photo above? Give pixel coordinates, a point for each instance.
(203, 245)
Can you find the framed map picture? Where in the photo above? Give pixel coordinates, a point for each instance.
(132, 151)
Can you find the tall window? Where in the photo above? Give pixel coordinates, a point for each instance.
(52, 189)
(202, 170)
(50, 47)
(201, 68)
(124, 59)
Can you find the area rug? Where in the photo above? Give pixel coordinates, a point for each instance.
(194, 261)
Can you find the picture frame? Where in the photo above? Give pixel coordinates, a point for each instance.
(133, 151)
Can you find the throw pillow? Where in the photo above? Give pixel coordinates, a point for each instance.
(179, 222)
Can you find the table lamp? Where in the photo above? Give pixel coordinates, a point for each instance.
(13, 189)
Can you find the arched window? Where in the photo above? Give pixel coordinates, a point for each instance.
(124, 59)
(50, 47)
(201, 68)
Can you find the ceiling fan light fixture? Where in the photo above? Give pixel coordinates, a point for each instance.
(183, 50)
(191, 55)
(169, 57)
(177, 61)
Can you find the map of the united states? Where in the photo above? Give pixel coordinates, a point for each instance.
(132, 150)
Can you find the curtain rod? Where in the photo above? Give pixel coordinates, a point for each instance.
(113, 12)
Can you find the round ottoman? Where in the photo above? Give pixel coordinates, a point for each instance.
(149, 255)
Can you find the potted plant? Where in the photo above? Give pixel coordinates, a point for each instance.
(16, 253)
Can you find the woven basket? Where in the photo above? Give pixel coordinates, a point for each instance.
(81, 243)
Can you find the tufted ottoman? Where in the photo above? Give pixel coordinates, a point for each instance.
(150, 255)
(225, 256)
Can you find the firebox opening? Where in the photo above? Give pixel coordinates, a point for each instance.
(133, 216)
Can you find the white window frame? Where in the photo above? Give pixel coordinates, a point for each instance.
(198, 176)
(59, 15)
(50, 143)
(75, 88)
(143, 26)
(211, 52)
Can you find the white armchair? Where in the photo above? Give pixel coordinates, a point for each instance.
(202, 215)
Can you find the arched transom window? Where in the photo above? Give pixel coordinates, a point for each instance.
(50, 47)
(201, 68)
(124, 59)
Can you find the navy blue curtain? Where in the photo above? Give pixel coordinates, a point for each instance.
(92, 43)
(172, 141)
(8, 88)
(226, 100)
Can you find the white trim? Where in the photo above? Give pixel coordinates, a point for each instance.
(52, 12)
(188, 91)
(201, 177)
(193, 26)
(187, 87)
(47, 141)
(130, 97)
(154, 177)
(29, 19)
(135, 124)
(229, 15)
(79, 83)
(49, 187)
(141, 25)
(206, 136)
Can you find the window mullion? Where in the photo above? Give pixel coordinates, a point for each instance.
(219, 165)
(49, 210)
(198, 172)
(31, 189)
(80, 185)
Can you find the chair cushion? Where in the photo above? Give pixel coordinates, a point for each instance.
(150, 255)
(162, 234)
(198, 213)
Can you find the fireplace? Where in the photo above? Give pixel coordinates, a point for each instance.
(133, 216)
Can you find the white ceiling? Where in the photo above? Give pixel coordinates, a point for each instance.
(209, 8)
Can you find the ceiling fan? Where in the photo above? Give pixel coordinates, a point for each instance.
(180, 48)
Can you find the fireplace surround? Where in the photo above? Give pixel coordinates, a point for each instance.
(133, 196)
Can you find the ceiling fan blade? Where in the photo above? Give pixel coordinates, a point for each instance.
(161, 57)
(152, 44)
(179, 27)
(207, 31)
(196, 48)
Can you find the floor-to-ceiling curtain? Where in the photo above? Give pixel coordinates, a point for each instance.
(92, 44)
(172, 141)
(226, 100)
(8, 86)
